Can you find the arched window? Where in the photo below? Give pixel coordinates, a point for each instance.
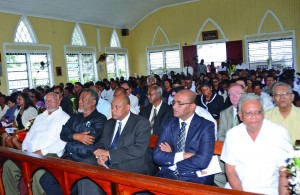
(24, 32)
(78, 37)
(114, 41)
(28, 64)
(80, 59)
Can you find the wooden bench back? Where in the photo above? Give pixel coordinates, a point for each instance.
(111, 181)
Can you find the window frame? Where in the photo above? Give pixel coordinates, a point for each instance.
(118, 51)
(269, 37)
(28, 49)
(164, 49)
(81, 50)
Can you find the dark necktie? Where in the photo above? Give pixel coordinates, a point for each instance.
(181, 138)
(153, 120)
(113, 145)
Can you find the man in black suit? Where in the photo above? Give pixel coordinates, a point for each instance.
(123, 144)
(157, 111)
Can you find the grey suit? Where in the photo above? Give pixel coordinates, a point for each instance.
(226, 122)
(130, 155)
(132, 145)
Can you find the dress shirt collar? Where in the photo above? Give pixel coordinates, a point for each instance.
(187, 121)
(124, 121)
(157, 107)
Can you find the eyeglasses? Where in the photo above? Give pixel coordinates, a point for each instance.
(251, 114)
(236, 94)
(149, 94)
(179, 103)
(283, 94)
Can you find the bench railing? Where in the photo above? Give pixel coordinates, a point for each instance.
(111, 181)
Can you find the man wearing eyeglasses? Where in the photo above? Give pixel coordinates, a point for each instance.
(157, 111)
(255, 149)
(285, 113)
(186, 144)
(134, 101)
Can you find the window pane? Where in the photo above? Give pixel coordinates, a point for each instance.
(282, 53)
(73, 67)
(88, 67)
(258, 54)
(111, 66)
(39, 73)
(172, 59)
(215, 52)
(121, 65)
(16, 71)
(156, 60)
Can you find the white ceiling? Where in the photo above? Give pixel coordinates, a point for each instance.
(111, 13)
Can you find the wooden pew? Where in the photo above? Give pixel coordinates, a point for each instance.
(111, 181)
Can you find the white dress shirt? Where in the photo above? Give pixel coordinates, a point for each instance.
(44, 134)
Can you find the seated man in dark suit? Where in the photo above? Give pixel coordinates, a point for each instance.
(186, 144)
(123, 144)
(157, 111)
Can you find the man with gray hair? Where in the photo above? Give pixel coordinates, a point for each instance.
(157, 111)
(43, 138)
(255, 149)
(285, 113)
(82, 131)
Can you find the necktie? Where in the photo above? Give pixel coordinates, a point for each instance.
(235, 120)
(181, 138)
(115, 140)
(153, 120)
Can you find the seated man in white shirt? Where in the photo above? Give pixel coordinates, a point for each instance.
(254, 150)
(267, 99)
(134, 101)
(43, 138)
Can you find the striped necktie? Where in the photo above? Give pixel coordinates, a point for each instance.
(181, 138)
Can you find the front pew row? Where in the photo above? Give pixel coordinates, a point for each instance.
(111, 181)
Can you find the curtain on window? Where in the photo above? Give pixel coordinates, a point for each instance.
(189, 54)
(234, 50)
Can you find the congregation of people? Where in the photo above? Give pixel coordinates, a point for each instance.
(109, 124)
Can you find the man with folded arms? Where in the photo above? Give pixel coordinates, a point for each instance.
(186, 144)
(254, 150)
(82, 131)
(43, 138)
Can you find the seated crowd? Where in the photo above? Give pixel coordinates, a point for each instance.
(109, 123)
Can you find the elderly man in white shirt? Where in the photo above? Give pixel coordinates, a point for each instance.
(43, 138)
(254, 150)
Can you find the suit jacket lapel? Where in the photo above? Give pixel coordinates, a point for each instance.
(175, 129)
(111, 133)
(127, 128)
(192, 129)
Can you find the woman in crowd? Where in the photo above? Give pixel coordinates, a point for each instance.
(168, 89)
(9, 116)
(26, 111)
(37, 100)
(210, 100)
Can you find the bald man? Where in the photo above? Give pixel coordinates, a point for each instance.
(186, 144)
(123, 144)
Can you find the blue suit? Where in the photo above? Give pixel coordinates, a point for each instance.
(200, 140)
